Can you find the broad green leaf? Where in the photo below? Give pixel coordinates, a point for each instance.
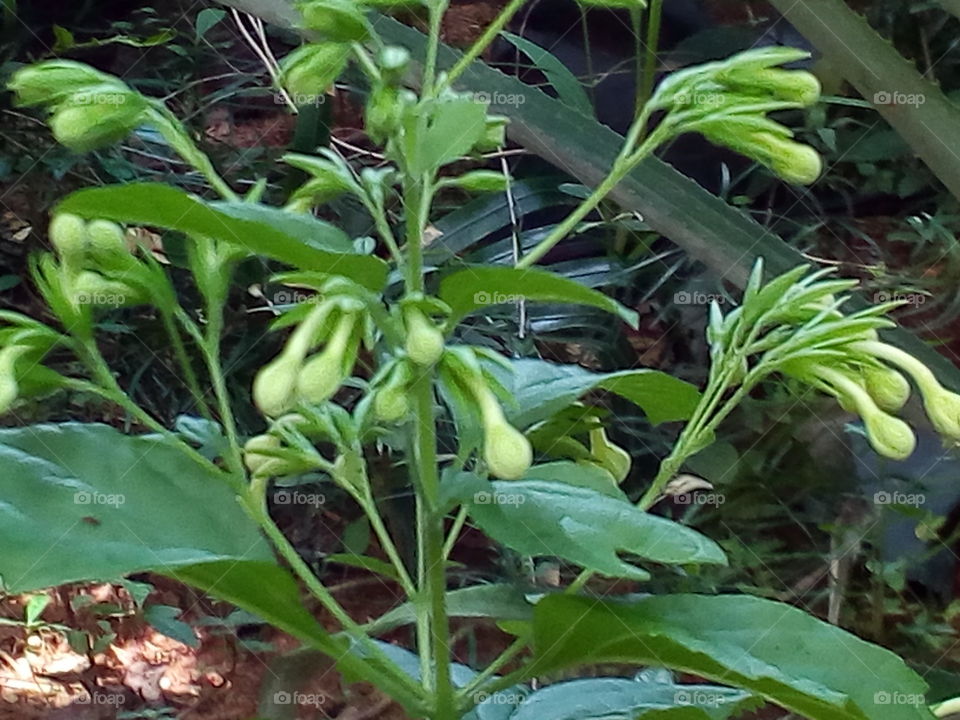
(498, 602)
(540, 517)
(206, 19)
(298, 240)
(85, 502)
(605, 698)
(479, 287)
(270, 592)
(541, 389)
(166, 619)
(452, 129)
(773, 650)
(568, 87)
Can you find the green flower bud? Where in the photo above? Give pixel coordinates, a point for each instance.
(393, 61)
(383, 111)
(51, 82)
(275, 387)
(797, 86)
(889, 436)
(106, 238)
(253, 458)
(85, 123)
(482, 181)
(392, 402)
(425, 342)
(792, 161)
(797, 163)
(68, 233)
(942, 406)
(324, 373)
(338, 20)
(506, 451)
(494, 136)
(9, 387)
(312, 69)
(610, 456)
(92, 288)
(888, 388)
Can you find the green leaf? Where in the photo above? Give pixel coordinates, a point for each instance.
(298, 240)
(85, 502)
(364, 562)
(449, 133)
(568, 87)
(542, 389)
(35, 607)
(270, 592)
(776, 651)
(605, 698)
(206, 19)
(541, 517)
(166, 620)
(478, 287)
(498, 602)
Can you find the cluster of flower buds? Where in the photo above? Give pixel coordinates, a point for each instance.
(338, 323)
(869, 380)
(89, 109)
(506, 451)
(728, 101)
(97, 266)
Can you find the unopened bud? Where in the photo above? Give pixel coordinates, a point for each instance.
(339, 20)
(507, 451)
(51, 82)
(85, 127)
(311, 70)
(610, 456)
(253, 457)
(324, 373)
(275, 387)
(797, 86)
(68, 233)
(9, 388)
(425, 341)
(889, 389)
(888, 435)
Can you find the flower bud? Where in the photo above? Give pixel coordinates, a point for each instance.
(943, 409)
(495, 134)
(275, 387)
(69, 236)
(92, 288)
(482, 181)
(9, 387)
(393, 61)
(312, 69)
(106, 238)
(610, 456)
(391, 402)
(323, 374)
(888, 435)
(425, 342)
(85, 126)
(339, 20)
(797, 86)
(383, 111)
(506, 451)
(888, 388)
(53, 81)
(253, 458)
(797, 163)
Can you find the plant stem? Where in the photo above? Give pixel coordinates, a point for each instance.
(181, 353)
(436, 9)
(484, 41)
(645, 88)
(514, 649)
(454, 533)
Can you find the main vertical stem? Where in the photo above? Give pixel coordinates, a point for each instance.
(433, 627)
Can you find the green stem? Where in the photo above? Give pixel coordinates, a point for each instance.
(464, 693)
(437, 8)
(181, 353)
(454, 533)
(484, 41)
(645, 89)
(369, 505)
